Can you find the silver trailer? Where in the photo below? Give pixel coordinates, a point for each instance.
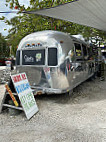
(54, 62)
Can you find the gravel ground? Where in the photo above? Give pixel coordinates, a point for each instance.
(80, 117)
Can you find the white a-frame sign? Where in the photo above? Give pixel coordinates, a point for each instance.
(25, 94)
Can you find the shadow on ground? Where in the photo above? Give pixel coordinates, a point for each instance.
(88, 91)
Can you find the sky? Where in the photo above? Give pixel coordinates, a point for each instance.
(3, 7)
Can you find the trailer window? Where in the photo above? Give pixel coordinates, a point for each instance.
(104, 54)
(52, 56)
(33, 57)
(90, 53)
(84, 49)
(18, 58)
(78, 49)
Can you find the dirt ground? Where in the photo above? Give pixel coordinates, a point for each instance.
(80, 117)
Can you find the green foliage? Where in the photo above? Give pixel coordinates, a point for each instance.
(4, 49)
(2, 18)
(24, 24)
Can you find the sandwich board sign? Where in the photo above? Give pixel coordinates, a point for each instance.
(25, 94)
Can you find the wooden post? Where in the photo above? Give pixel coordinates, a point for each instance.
(11, 95)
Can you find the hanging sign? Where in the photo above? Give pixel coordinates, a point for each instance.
(48, 76)
(25, 94)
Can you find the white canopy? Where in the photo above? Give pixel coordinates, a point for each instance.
(84, 12)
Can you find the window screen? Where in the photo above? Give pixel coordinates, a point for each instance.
(78, 49)
(84, 50)
(18, 58)
(33, 57)
(52, 56)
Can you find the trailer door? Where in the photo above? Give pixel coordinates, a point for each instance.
(79, 64)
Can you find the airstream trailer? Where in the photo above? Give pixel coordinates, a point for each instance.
(54, 62)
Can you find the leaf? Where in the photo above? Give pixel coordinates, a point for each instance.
(2, 18)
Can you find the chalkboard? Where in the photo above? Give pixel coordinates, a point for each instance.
(33, 57)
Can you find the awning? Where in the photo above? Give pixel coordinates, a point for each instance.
(91, 13)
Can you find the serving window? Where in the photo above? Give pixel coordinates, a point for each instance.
(52, 56)
(84, 50)
(33, 57)
(78, 50)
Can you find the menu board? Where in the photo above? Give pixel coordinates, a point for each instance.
(33, 57)
(25, 94)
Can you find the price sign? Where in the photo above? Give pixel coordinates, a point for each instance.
(25, 94)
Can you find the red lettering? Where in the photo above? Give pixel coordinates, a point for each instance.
(23, 76)
(17, 78)
(47, 69)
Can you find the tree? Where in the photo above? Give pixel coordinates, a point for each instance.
(27, 23)
(4, 49)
